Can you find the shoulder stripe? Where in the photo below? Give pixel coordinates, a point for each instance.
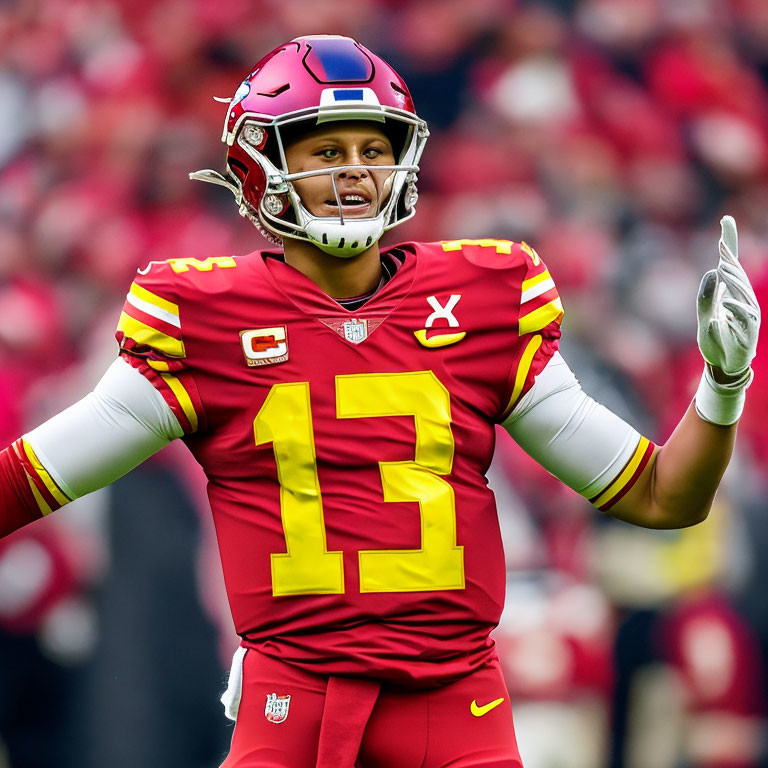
(522, 373)
(627, 476)
(144, 334)
(537, 278)
(185, 401)
(536, 285)
(541, 317)
(154, 305)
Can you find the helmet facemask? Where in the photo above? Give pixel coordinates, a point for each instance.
(282, 212)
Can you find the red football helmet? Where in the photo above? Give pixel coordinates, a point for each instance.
(303, 84)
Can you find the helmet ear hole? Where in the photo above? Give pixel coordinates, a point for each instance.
(275, 204)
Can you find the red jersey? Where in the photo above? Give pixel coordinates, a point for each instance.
(346, 451)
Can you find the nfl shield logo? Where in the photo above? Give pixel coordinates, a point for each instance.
(355, 330)
(276, 710)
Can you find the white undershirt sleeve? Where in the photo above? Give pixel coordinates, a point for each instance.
(106, 434)
(575, 438)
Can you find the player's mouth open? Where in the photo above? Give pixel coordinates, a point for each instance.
(351, 203)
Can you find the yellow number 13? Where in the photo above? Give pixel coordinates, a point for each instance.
(307, 567)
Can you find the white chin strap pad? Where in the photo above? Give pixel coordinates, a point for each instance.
(345, 240)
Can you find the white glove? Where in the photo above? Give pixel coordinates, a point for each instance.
(729, 321)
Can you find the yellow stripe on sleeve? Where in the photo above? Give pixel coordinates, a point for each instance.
(48, 481)
(522, 371)
(145, 334)
(154, 299)
(535, 280)
(185, 401)
(41, 502)
(625, 475)
(541, 317)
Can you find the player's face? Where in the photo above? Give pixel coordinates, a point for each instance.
(361, 190)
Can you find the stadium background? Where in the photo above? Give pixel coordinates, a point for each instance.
(609, 134)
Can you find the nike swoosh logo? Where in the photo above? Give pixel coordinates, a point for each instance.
(479, 711)
(441, 340)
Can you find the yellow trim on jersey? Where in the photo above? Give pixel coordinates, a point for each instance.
(41, 502)
(438, 340)
(626, 474)
(535, 280)
(154, 299)
(42, 473)
(501, 246)
(159, 365)
(541, 317)
(185, 401)
(522, 370)
(145, 334)
(531, 252)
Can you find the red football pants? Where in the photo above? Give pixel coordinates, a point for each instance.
(417, 729)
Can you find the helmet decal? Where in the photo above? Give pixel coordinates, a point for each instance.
(241, 93)
(337, 60)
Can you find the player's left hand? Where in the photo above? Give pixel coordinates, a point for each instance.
(729, 315)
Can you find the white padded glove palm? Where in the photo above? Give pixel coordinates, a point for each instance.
(729, 321)
(729, 315)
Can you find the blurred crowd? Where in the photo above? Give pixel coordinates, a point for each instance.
(609, 134)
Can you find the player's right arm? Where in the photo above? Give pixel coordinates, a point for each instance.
(145, 399)
(124, 421)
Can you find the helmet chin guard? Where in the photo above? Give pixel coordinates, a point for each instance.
(304, 84)
(345, 239)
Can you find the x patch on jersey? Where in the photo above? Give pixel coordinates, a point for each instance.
(440, 312)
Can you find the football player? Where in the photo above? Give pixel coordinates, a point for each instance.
(342, 401)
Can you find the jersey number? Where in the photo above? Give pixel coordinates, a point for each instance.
(307, 567)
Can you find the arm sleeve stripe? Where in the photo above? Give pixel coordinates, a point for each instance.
(44, 476)
(522, 373)
(144, 334)
(42, 504)
(541, 317)
(627, 476)
(18, 505)
(46, 502)
(185, 401)
(154, 305)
